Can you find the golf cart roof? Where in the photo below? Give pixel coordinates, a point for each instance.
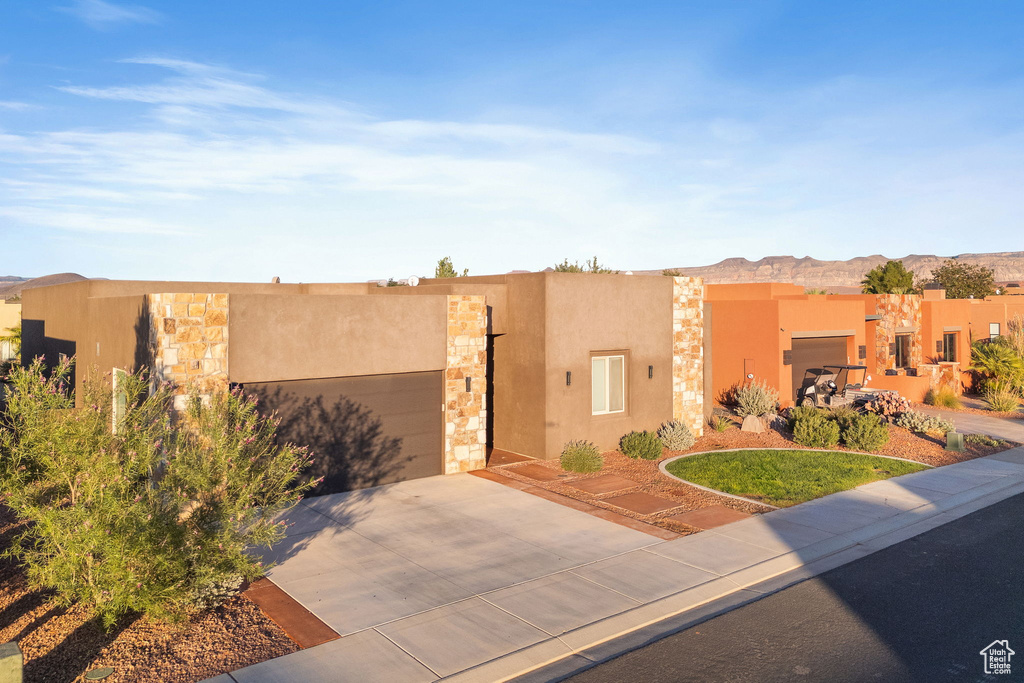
(848, 367)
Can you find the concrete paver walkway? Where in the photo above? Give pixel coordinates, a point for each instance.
(463, 579)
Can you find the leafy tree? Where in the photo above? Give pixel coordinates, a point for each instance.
(671, 273)
(153, 515)
(446, 269)
(814, 290)
(892, 278)
(588, 267)
(964, 280)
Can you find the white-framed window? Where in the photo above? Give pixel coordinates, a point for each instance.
(608, 384)
(993, 330)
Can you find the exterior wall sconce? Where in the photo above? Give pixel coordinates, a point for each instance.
(650, 372)
(568, 378)
(469, 384)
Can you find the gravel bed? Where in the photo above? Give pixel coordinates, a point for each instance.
(61, 645)
(649, 479)
(972, 403)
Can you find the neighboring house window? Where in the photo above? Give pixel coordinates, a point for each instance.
(949, 347)
(902, 350)
(609, 384)
(993, 330)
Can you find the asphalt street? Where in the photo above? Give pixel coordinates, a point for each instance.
(921, 610)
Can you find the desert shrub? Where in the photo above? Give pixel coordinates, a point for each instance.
(797, 413)
(719, 423)
(844, 416)
(924, 424)
(943, 397)
(815, 430)
(756, 398)
(645, 445)
(581, 456)
(865, 432)
(1000, 396)
(888, 405)
(676, 436)
(983, 440)
(154, 516)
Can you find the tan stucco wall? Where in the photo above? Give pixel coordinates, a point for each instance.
(281, 337)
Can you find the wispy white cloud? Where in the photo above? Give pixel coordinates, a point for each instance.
(229, 157)
(16, 106)
(99, 14)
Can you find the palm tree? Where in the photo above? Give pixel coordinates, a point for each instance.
(996, 360)
(13, 338)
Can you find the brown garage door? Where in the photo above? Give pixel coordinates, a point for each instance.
(364, 431)
(815, 352)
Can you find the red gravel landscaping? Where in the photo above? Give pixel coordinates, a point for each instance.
(650, 480)
(61, 645)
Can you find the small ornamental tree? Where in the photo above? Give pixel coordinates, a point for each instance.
(151, 515)
(965, 280)
(446, 269)
(892, 278)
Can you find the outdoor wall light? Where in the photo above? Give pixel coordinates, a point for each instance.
(469, 384)
(650, 372)
(750, 375)
(568, 378)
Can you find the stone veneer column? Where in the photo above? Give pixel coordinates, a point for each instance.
(896, 311)
(465, 433)
(688, 352)
(189, 340)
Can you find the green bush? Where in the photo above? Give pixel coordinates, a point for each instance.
(581, 456)
(645, 445)
(797, 413)
(924, 424)
(983, 440)
(814, 430)
(844, 416)
(756, 398)
(1000, 396)
(676, 436)
(719, 423)
(153, 517)
(867, 432)
(943, 397)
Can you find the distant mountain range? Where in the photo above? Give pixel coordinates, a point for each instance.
(12, 286)
(838, 276)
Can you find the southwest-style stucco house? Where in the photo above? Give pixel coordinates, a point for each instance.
(392, 383)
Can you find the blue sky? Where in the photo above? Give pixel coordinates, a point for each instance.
(327, 141)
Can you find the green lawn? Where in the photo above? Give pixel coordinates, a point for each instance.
(784, 478)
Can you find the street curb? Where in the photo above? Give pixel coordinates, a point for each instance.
(585, 647)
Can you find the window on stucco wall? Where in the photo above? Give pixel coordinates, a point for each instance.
(608, 384)
(902, 350)
(949, 347)
(993, 330)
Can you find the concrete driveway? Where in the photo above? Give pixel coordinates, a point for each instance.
(382, 561)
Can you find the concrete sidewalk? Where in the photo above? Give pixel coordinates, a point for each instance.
(568, 619)
(973, 423)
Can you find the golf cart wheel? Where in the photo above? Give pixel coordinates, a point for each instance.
(807, 403)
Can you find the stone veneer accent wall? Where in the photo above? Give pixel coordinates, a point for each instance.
(897, 310)
(189, 340)
(944, 374)
(688, 352)
(465, 433)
